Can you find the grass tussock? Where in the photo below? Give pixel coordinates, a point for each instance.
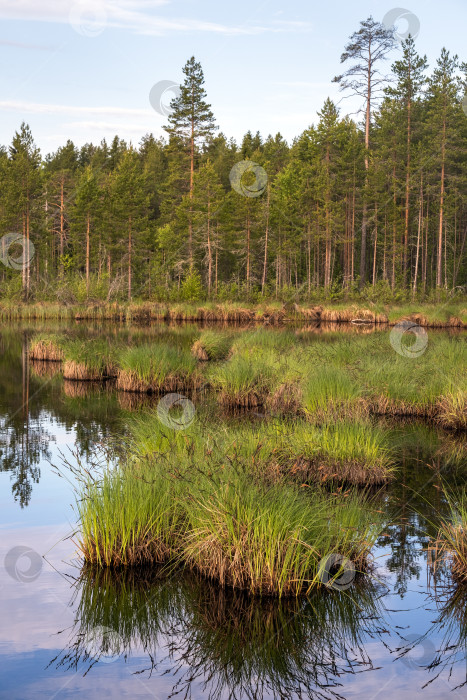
(88, 360)
(126, 520)
(46, 347)
(189, 502)
(451, 410)
(451, 543)
(270, 541)
(157, 368)
(212, 345)
(242, 381)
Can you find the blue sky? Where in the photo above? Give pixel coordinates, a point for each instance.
(268, 64)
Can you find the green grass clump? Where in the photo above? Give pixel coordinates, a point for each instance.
(328, 390)
(46, 347)
(212, 345)
(356, 452)
(155, 368)
(203, 504)
(127, 518)
(451, 543)
(243, 381)
(88, 360)
(271, 541)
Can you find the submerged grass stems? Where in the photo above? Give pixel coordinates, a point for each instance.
(156, 368)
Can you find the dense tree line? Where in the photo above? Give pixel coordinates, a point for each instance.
(378, 205)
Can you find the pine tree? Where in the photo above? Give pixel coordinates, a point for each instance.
(192, 121)
(409, 73)
(86, 214)
(366, 48)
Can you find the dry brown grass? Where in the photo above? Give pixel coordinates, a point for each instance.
(148, 551)
(199, 351)
(250, 399)
(320, 470)
(77, 371)
(353, 314)
(451, 411)
(286, 400)
(385, 406)
(128, 380)
(312, 313)
(46, 351)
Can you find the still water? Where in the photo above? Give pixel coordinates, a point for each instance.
(65, 633)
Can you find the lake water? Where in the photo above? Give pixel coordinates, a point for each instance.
(65, 633)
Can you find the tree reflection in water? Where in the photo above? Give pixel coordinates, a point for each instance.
(223, 641)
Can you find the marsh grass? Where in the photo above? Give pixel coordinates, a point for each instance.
(451, 543)
(46, 347)
(242, 381)
(212, 345)
(88, 360)
(156, 368)
(199, 504)
(127, 518)
(331, 391)
(355, 452)
(271, 540)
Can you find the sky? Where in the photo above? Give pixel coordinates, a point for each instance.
(84, 69)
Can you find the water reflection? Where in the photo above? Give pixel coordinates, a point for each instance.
(33, 403)
(441, 650)
(224, 641)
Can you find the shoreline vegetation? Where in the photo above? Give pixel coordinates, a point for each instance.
(213, 502)
(285, 373)
(282, 502)
(444, 315)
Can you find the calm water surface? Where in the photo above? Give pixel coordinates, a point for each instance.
(66, 634)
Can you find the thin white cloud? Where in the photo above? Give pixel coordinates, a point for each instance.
(39, 108)
(21, 45)
(91, 17)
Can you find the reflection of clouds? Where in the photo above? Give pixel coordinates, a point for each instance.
(31, 613)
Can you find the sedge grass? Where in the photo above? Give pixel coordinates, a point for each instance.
(155, 368)
(242, 381)
(192, 504)
(212, 345)
(87, 360)
(127, 519)
(451, 543)
(46, 347)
